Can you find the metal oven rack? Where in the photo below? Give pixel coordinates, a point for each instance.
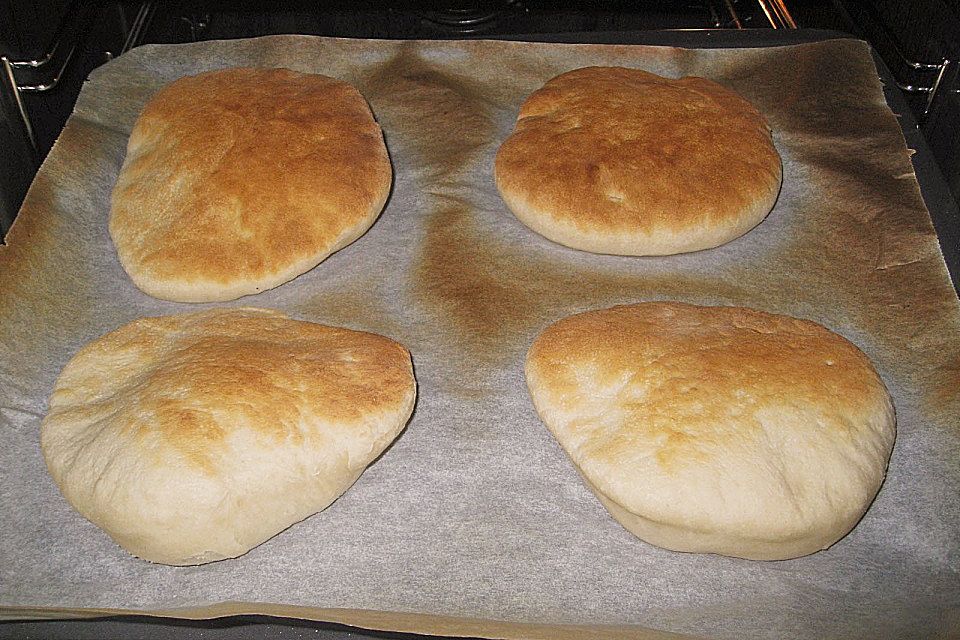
(39, 75)
(42, 74)
(932, 83)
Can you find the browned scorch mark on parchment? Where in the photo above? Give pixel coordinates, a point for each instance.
(862, 246)
(437, 118)
(485, 294)
(493, 295)
(46, 277)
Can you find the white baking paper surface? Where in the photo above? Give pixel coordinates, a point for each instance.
(475, 512)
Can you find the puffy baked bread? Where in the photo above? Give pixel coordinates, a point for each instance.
(621, 161)
(195, 438)
(716, 429)
(236, 181)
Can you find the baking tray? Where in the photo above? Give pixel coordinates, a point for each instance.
(943, 211)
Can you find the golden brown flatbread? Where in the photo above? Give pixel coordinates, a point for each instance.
(194, 438)
(716, 429)
(621, 161)
(236, 181)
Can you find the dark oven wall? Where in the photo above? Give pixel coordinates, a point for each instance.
(49, 48)
(915, 39)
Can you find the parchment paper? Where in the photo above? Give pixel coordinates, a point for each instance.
(475, 513)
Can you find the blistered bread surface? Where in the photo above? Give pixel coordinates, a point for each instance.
(716, 429)
(236, 181)
(622, 161)
(196, 437)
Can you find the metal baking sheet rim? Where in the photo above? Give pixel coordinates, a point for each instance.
(388, 621)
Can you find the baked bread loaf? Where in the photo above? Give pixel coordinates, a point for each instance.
(621, 161)
(236, 181)
(195, 438)
(716, 429)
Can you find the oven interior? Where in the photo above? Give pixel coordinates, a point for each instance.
(48, 48)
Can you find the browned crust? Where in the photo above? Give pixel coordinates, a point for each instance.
(616, 160)
(238, 180)
(719, 429)
(195, 437)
